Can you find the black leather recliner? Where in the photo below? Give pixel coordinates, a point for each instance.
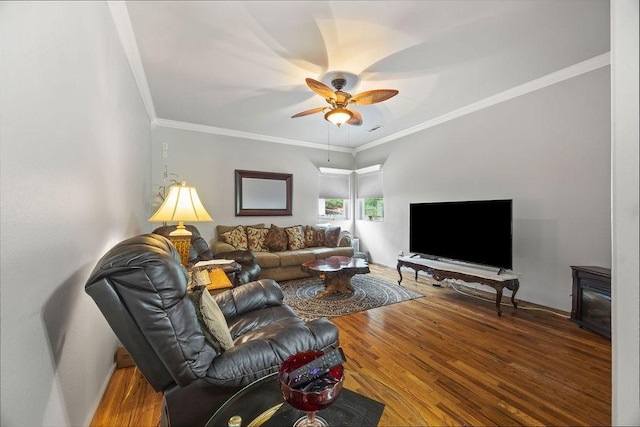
(141, 289)
(200, 251)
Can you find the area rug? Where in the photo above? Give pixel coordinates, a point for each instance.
(369, 292)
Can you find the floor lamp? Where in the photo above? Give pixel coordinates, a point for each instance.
(181, 204)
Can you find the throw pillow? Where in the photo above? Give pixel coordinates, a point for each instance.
(316, 234)
(276, 239)
(215, 321)
(319, 235)
(310, 237)
(295, 236)
(236, 238)
(331, 235)
(226, 228)
(219, 279)
(256, 239)
(196, 296)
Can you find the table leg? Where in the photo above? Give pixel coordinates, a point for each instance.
(499, 299)
(399, 273)
(516, 286)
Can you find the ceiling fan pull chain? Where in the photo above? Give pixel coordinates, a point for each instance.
(328, 145)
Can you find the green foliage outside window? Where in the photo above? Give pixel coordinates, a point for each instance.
(332, 208)
(374, 209)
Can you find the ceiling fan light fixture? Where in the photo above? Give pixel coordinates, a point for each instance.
(338, 116)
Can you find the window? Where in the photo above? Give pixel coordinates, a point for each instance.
(332, 208)
(370, 200)
(334, 194)
(373, 209)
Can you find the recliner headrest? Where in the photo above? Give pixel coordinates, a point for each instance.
(147, 251)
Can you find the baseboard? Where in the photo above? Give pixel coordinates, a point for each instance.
(123, 359)
(103, 389)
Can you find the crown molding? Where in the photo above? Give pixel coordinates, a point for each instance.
(122, 21)
(241, 134)
(120, 16)
(550, 79)
(335, 171)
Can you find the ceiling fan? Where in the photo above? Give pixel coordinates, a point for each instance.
(338, 113)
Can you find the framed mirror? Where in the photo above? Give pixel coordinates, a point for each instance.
(263, 193)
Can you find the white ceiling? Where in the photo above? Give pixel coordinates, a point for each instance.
(239, 68)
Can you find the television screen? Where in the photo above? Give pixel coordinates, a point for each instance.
(477, 232)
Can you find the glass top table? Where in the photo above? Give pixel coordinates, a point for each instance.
(260, 400)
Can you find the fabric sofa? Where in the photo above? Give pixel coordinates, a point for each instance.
(141, 289)
(280, 251)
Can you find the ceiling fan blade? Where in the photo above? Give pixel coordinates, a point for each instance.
(321, 89)
(356, 120)
(372, 96)
(307, 112)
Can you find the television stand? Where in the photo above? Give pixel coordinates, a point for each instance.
(441, 270)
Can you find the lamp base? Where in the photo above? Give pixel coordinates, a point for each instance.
(181, 239)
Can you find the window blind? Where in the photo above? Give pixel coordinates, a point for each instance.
(334, 186)
(370, 186)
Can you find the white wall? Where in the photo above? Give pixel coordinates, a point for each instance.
(208, 162)
(626, 208)
(549, 151)
(75, 167)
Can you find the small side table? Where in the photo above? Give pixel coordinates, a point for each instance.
(230, 269)
(362, 255)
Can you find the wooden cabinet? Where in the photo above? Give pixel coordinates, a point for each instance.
(591, 298)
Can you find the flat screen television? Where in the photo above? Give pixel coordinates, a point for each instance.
(476, 232)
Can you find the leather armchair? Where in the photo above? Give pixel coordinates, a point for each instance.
(141, 289)
(200, 251)
(249, 268)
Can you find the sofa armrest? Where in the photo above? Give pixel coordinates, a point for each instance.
(344, 239)
(241, 256)
(218, 247)
(248, 297)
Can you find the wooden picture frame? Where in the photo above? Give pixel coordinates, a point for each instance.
(263, 193)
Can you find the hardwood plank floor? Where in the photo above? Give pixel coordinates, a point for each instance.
(451, 360)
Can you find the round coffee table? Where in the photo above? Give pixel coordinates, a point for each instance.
(337, 272)
(260, 400)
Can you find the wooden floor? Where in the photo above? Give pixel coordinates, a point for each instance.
(450, 360)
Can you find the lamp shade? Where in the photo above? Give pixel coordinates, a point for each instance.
(181, 204)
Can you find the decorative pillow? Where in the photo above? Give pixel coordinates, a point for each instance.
(213, 320)
(331, 236)
(295, 236)
(310, 237)
(236, 238)
(318, 233)
(225, 228)
(256, 239)
(219, 279)
(196, 296)
(276, 239)
(314, 235)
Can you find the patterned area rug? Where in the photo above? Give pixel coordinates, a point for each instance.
(369, 292)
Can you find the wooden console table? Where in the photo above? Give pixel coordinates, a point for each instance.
(441, 270)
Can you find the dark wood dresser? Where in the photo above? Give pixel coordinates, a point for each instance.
(591, 298)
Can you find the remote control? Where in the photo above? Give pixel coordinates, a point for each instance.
(316, 368)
